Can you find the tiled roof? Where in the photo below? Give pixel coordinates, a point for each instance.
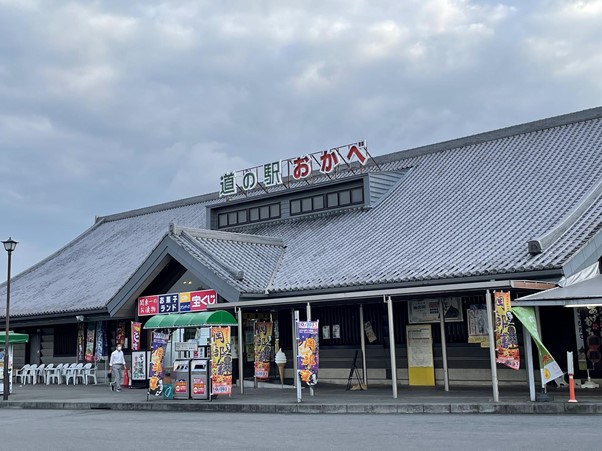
(466, 208)
(246, 262)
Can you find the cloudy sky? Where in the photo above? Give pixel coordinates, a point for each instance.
(107, 106)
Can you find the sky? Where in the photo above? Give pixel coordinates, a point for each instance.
(109, 106)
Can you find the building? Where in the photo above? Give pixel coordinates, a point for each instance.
(514, 209)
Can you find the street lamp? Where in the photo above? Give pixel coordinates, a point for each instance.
(9, 246)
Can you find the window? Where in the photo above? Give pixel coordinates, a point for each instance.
(246, 215)
(326, 201)
(65, 340)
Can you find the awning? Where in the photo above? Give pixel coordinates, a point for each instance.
(195, 319)
(13, 338)
(588, 292)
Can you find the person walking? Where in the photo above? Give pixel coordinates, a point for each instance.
(117, 368)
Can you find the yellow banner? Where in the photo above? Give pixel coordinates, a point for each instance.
(506, 340)
(221, 361)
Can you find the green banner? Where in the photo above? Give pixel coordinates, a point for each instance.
(550, 370)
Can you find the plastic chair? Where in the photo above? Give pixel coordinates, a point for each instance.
(81, 373)
(40, 373)
(47, 370)
(54, 374)
(91, 373)
(22, 372)
(71, 372)
(31, 376)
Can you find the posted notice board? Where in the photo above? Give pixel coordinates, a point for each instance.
(421, 367)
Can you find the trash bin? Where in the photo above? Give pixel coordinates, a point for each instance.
(199, 376)
(180, 379)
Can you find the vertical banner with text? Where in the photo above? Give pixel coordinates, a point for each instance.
(506, 340)
(90, 343)
(308, 357)
(221, 361)
(81, 342)
(263, 349)
(136, 329)
(156, 364)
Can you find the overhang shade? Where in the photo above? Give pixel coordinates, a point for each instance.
(588, 292)
(13, 338)
(196, 319)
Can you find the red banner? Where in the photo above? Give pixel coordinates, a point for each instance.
(136, 328)
(148, 305)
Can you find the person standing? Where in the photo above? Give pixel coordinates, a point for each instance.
(117, 368)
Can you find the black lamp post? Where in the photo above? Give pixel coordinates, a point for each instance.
(9, 246)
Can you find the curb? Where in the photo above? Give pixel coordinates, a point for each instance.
(293, 408)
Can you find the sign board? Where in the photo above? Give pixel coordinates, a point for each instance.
(163, 304)
(427, 310)
(421, 365)
(186, 346)
(294, 169)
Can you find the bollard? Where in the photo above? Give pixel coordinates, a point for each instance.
(569, 360)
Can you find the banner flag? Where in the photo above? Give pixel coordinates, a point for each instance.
(308, 359)
(99, 350)
(136, 328)
(506, 340)
(90, 343)
(156, 368)
(221, 361)
(263, 349)
(81, 342)
(549, 368)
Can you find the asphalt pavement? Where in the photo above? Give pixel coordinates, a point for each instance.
(327, 398)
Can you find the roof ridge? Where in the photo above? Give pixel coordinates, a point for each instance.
(226, 236)
(505, 132)
(160, 207)
(539, 244)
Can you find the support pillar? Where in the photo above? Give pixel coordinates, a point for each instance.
(240, 353)
(443, 345)
(392, 346)
(363, 346)
(490, 325)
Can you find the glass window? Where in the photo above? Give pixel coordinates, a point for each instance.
(357, 196)
(232, 218)
(254, 214)
(345, 197)
(264, 212)
(242, 216)
(332, 200)
(222, 220)
(295, 207)
(306, 204)
(275, 211)
(318, 202)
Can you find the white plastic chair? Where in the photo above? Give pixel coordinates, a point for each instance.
(71, 372)
(54, 374)
(91, 373)
(31, 376)
(40, 373)
(47, 370)
(81, 373)
(22, 373)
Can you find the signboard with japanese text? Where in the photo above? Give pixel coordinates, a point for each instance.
(199, 300)
(478, 331)
(263, 349)
(81, 342)
(421, 367)
(221, 361)
(148, 305)
(427, 310)
(168, 303)
(294, 169)
(139, 365)
(90, 342)
(162, 304)
(308, 356)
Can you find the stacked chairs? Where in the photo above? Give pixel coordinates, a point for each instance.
(74, 371)
(32, 373)
(22, 373)
(54, 374)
